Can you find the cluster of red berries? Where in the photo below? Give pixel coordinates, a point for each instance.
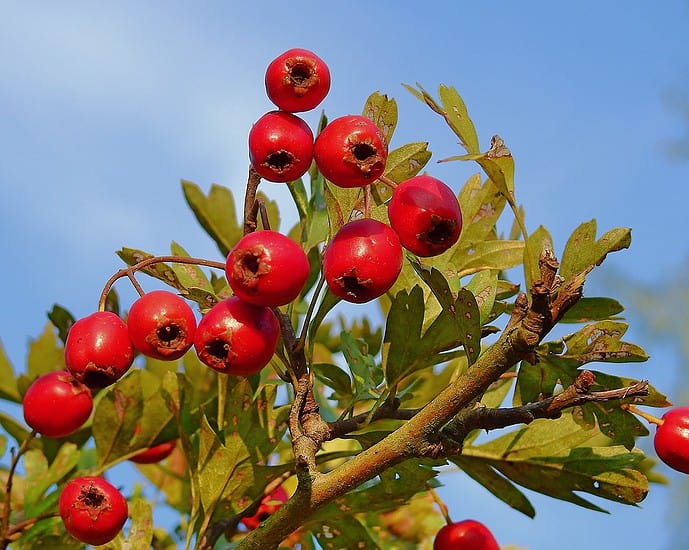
(364, 258)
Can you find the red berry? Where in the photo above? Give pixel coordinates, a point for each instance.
(156, 453)
(425, 214)
(56, 404)
(161, 325)
(671, 439)
(298, 80)
(465, 535)
(362, 260)
(351, 151)
(280, 146)
(269, 505)
(98, 351)
(266, 268)
(237, 338)
(92, 509)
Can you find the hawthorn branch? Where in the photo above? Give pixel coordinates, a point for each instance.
(530, 322)
(484, 418)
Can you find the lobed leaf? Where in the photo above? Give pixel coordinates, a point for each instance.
(561, 459)
(216, 213)
(383, 112)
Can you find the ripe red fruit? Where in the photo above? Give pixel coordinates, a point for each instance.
(98, 350)
(92, 509)
(280, 146)
(237, 338)
(56, 404)
(465, 535)
(161, 325)
(362, 260)
(267, 268)
(671, 439)
(269, 505)
(351, 151)
(156, 453)
(425, 214)
(297, 80)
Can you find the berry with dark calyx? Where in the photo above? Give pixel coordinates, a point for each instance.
(280, 146)
(362, 260)
(161, 325)
(237, 338)
(92, 510)
(671, 440)
(98, 350)
(425, 214)
(468, 534)
(297, 80)
(351, 151)
(269, 505)
(267, 268)
(56, 404)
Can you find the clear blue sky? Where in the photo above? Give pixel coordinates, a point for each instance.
(104, 107)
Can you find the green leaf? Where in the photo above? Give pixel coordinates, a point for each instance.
(160, 270)
(383, 112)
(592, 309)
(561, 459)
(8, 382)
(484, 286)
(340, 201)
(538, 243)
(62, 319)
(501, 487)
(461, 309)
(402, 163)
(406, 349)
(253, 417)
(343, 532)
(582, 251)
(65, 461)
(481, 205)
(141, 530)
(189, 275)
(216, 213)
(336, 378)
(218, 468)
(496, 254)
(46, 354)
(454, 111)
(602, 341)
(117, 414)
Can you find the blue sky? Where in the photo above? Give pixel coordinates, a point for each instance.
(104, 107)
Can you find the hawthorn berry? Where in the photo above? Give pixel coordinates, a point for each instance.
(362, 260)
(425, 214)
(156, 453)
(267, 268)
(280, 146)
(161, 325)
(297, 80)
(98, 350)
(237, 338)
(92, 510)
(56, 404)
(671, 440)
(351, 151)
(269, 505)
(468, 534)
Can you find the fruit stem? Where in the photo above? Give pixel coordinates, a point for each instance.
(646, 416)
(367, 201)
(264, 213)
(301, 342)
(250, 201)
(5, 525)
(129, 272)
(441, 505)
(135, 283)
(387, 181)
